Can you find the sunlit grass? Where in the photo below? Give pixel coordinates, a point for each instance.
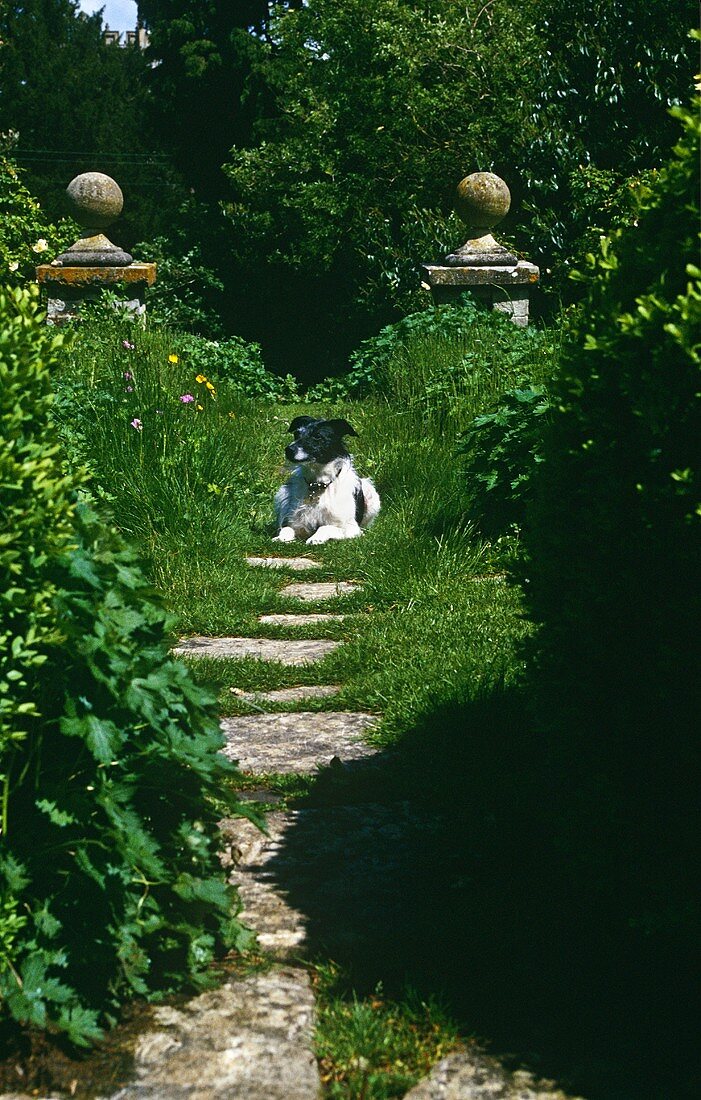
(376, 1047)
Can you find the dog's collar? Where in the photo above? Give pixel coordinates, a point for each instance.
(316, 488)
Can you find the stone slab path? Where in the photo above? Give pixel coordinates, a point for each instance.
(248, 1040)
(311, 885)
(300, 620)
(319, 590)
(323, 876)
(264, 649)
(296, 564)
(472, 1075)
(296, 743)
(288, 695)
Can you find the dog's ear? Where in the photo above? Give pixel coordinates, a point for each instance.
(300, 422)
(342, 427)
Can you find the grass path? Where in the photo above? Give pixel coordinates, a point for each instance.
(335, 868)
(431, 641)
(489, 916)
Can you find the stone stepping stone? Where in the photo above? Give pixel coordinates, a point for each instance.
(321, 876)
(296, 564)
(286, 651)
(296, 743)
(473, 1075)
(287, 695)
(320, 590)
(299, 620)
(251, 1038)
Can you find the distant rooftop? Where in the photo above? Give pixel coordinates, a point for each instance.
(138, 38)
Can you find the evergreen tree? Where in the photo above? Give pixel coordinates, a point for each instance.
(203, 97)
(79, 105)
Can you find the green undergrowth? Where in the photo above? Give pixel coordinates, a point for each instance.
(110, 883)
(376, 1047)
(490, 918)
(430, 625)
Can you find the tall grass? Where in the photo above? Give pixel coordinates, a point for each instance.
(188, 462)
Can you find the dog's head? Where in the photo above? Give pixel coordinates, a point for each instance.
(317, 441)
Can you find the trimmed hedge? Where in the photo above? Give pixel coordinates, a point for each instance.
(612, 543)
(110, 881)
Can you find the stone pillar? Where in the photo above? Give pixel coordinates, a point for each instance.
(489, 271)
(93, 263)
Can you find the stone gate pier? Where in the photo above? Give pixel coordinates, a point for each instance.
(493, 275)
(93, 263)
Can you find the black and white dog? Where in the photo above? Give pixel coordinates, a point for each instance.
(324, 498)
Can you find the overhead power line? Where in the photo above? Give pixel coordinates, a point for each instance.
(68, 154)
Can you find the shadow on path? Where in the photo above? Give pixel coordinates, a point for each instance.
(446, 864)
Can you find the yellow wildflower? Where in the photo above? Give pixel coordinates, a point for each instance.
(200, 408)
(201, 378)
(172, 358)
(210, 387)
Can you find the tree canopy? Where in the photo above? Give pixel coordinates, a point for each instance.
(202, 53)
(332, 136)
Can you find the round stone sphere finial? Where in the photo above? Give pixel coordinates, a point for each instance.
(96, 200)
(482, 200)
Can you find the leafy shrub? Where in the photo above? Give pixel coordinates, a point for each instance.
(612, 549)
(27, 237)
(600, 119)
(433, 357)
(237, 362)
(109, 875)
(502, 449)
(187, 291)
(371, 363)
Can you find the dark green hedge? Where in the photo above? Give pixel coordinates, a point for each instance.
(109, 876)
(613, 555)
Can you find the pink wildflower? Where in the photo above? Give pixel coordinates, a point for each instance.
(129, 389)
(128, 376)
(127, 345)
(136, 423)
(186, 398)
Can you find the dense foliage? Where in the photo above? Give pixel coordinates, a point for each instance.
(378, 110)
(110, 879)
(374, 107)
(607, 73)
(612, 545)
(27, 237)
(203, 53)
(435, 353)
(79, 104)
(342, 131)
(502, 449)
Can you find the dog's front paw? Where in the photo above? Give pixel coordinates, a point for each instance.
(324, 534)
(286, 535)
